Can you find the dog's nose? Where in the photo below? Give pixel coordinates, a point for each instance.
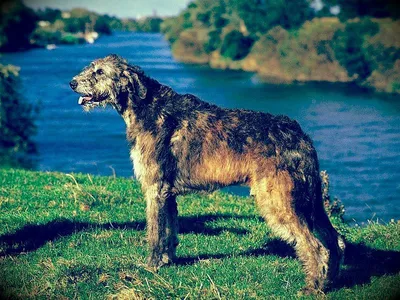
(73, 84)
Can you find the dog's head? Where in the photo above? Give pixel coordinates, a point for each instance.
(106, 80)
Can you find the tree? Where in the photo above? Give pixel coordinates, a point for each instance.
(48, 14)
(16, 25)
(236, 46)
(261, 15)
(102, 25)
(349, 49)
(350, 9)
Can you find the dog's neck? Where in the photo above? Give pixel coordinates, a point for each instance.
(135, 112)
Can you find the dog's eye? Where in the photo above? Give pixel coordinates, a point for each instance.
(99, 72)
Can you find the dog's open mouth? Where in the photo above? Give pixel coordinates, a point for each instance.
(89, 100)
(86, 99)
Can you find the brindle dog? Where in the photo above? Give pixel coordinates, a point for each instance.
(180, 144)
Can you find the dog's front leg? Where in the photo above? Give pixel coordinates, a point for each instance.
(162, 225)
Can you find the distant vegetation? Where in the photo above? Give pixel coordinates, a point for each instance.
(22, 28)
(287, 41)
(61, 25)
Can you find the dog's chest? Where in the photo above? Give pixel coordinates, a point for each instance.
(143, 158)
(138, 163)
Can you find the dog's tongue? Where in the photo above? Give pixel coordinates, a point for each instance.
(82, 100)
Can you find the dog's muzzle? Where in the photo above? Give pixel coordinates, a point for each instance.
(84, 100)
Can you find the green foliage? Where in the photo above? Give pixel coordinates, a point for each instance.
(70, 39)
(234, 25)
(102, 25)
(150, 24)
(288, 44)
(172, 28)
(396, 86)
(214, 41)
(260, 16)
(349, 49)
(77, 24)
(44, 36)
(16, 25)
(16, 122)
(380, 57)
(48, 14)
(204, 17)
(235, 45)
(19, 28)
(218, 14)
(350, 9)
(59, 28)
(66, 236)
(127, 25)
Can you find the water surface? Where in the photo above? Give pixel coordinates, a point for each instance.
(356, 133)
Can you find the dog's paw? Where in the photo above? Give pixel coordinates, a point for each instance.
(307, 291)
(156, 262)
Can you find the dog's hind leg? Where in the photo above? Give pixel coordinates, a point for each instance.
(172, 227)
(276, 203)
(330, 237)
(162, 225)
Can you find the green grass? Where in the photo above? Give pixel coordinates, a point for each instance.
(77, 236)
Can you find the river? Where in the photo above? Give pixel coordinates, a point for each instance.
(357, 134)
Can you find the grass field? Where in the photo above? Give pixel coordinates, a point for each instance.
(81, 237)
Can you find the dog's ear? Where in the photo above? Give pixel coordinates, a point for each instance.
(123, 83)
(116, 58)
(136, 83)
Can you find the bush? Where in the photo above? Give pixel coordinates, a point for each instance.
(235, 45)
(70, 39)
(204, 17)
(102, 25)
(128, 24)
(42, 37)
(349, 50)
(214, 41)
(150, 25)
(49, 14)
(16, 122)
(380, 57)
(260, 16)
(76, 25)
(172, 28)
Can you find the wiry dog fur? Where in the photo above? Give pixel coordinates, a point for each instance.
(180, 144)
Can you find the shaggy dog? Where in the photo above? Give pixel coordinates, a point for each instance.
(180, 144)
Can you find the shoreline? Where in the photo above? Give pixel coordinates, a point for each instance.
(244, 66)
(249, 64)
(363, 52)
